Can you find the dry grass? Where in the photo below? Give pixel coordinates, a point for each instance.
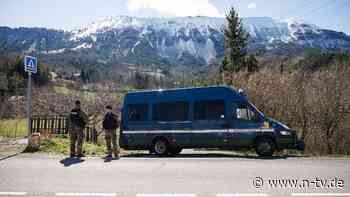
(316, 104)
(12, 128)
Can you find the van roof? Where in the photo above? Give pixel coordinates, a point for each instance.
(195, 93)
(180, 89)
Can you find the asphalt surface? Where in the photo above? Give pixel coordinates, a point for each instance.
(187, 175)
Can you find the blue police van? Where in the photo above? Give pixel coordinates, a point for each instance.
(167, 121)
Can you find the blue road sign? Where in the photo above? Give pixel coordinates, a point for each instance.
(30, 64)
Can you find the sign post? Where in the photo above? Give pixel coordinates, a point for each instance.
(30, 66)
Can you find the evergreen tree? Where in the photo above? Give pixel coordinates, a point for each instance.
(224, 64)
(236, 41)
(40, 78)
(252, 63)
(223, 67)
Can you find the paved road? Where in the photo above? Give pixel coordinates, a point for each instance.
(184, 176)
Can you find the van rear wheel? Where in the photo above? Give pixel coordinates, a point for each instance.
(265, 147)
(160, 147)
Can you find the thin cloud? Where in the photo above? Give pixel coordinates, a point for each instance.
(252, 5)
(175, 8)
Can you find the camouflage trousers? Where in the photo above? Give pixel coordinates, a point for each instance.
(112, 141)
(76, 140)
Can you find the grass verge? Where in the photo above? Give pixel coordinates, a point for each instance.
(61, 144)
(13, 128)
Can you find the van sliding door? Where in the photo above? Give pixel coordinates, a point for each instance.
(209, 124)
(171, 120)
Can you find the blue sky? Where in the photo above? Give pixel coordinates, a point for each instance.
(70, 14)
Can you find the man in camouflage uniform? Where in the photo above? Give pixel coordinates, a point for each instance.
(77, 121)
(110, 125)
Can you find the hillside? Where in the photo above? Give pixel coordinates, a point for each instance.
(163, 42)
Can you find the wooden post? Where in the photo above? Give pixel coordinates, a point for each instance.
(63, 125)
(32, 124)
(66, 126)
(45, 124)
(59, 125)
(52, 123)
(94, 134)
(87, 134)
(37, 124)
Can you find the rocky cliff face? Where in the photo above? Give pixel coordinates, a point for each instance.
(154, 41)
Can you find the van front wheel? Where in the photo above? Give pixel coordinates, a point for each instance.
(160, 147)
(265, 147)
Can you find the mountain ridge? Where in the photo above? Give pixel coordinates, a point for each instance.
(174, 41)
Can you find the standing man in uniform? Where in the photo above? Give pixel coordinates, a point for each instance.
(77, 122)
(110, 125)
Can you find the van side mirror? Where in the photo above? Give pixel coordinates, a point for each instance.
(241, 92)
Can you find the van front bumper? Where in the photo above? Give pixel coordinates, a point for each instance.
(290, 142)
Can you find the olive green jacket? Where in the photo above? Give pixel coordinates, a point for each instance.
(85, 117)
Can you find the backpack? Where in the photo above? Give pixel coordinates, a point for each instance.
(76, 118)
(110, 121)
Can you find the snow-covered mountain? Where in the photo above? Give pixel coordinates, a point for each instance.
(182, 40)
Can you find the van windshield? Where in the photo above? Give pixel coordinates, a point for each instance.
(256, 110)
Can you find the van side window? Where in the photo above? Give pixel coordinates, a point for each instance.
(244, 112)
(209, 110)
(137, 112)
(170, 111)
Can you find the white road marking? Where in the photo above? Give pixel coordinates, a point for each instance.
(243, 195)
(86, 194)
(321, 194)
(181, 157)
(166, 195)
(13, 193)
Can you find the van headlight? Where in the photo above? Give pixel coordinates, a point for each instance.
(285, 133)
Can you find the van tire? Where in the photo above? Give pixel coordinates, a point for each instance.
(265, 147)
(175, 150)
(160, 146)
